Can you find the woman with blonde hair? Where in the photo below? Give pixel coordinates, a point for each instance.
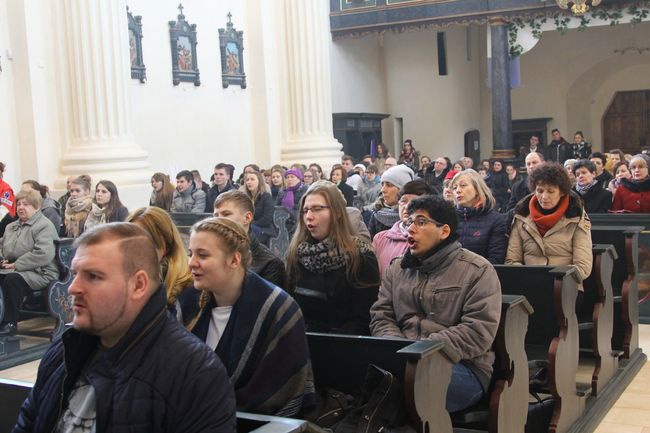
(174, 268)
(255, 328)
(262, 224)
(334, 275)
(77, 207)
(162, 193)
(481, 228)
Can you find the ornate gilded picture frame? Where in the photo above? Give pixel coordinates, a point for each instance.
(182, 36)
(138, 70)
(231, 43)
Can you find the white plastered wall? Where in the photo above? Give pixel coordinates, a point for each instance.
(399, 76)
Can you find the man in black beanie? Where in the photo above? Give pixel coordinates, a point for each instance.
(459, 305)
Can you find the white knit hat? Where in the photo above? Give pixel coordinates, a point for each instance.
(399, 175)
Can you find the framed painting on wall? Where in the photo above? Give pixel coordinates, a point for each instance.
(182, 36)
(138, 70)
(231, 43)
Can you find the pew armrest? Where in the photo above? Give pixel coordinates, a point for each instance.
(423, 349)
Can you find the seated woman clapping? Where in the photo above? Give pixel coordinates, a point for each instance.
(256, 328)
(174, 268)
(27, 248)
(334, 275)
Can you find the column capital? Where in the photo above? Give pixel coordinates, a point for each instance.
(498, 21)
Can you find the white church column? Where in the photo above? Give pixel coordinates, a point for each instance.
(95, 99)
(308, 93)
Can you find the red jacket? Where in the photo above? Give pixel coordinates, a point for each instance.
(632, 196)
(7, 198)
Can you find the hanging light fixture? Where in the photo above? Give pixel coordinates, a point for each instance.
(578, 7)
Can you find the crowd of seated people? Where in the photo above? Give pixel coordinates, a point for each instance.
(357, 251)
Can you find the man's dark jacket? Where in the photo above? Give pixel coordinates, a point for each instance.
(266, 264)
(158, 378)
(559, 151)
(213, 193)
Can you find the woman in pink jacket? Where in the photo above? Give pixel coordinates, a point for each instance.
(391, 243)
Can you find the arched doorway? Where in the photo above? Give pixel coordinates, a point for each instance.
(626, 123)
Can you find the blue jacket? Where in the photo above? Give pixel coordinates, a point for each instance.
(483, 231)
(158, 378)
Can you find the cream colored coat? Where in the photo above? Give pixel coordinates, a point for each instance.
(568, 242)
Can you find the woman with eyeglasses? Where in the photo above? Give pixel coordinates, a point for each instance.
(333, 275)
(481, 228)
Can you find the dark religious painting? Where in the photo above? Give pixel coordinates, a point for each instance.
(231, 43)
(182, 36)
(138, 70)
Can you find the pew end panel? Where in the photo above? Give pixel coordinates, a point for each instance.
(508, 405)
(599, 302)
(12, 395)
(624, 283)
(552, 330)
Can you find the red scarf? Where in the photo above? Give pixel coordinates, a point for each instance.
(545, 222)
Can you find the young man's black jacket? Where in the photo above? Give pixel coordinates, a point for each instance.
(158, 378)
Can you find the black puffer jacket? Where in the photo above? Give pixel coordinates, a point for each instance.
(158, 378)
(483, 231)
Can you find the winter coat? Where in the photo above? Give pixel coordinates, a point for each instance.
(52, 211)
(292, 221)
(483, 231)
(581, 150)
(604, 178)
(596, 199)
(452, 296)
(499, 184)
(518, 191)
(390, 244)
(559, 151)
(265, 264)
(332, 303)
(212, 195)
(568, 242)
(158, 378)
(189, 201)
(30, 246)
(633, 196)
(263, 218)
(348, 193)
(383, 219)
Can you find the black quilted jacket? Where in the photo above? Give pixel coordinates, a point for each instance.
(158, 378)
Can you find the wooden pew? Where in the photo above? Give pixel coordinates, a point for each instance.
(59, 303)
(423, 367)
(598, 306)
(13, 393)
(624, 284)
(552, 331)
(279, 245)
(505, 408)
(184, 222)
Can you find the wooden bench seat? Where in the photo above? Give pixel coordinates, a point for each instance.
(552, 331)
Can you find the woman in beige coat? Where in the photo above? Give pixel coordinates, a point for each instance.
(550, 226)
(28, 256)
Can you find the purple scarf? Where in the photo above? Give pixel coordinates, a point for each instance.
(287, 200)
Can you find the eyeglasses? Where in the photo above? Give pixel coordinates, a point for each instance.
(314, 209)
(421, 221)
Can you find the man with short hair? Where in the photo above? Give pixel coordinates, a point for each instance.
(222, 183)
(126, 364)
(238, 207)
(520, 189)
(442, 292)
(390, 162)
(558, 150)
(534, 144)
(467, 162)
(187, 198)
(371, 186)
(603, 176)
(348, 164)
(436, 176)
